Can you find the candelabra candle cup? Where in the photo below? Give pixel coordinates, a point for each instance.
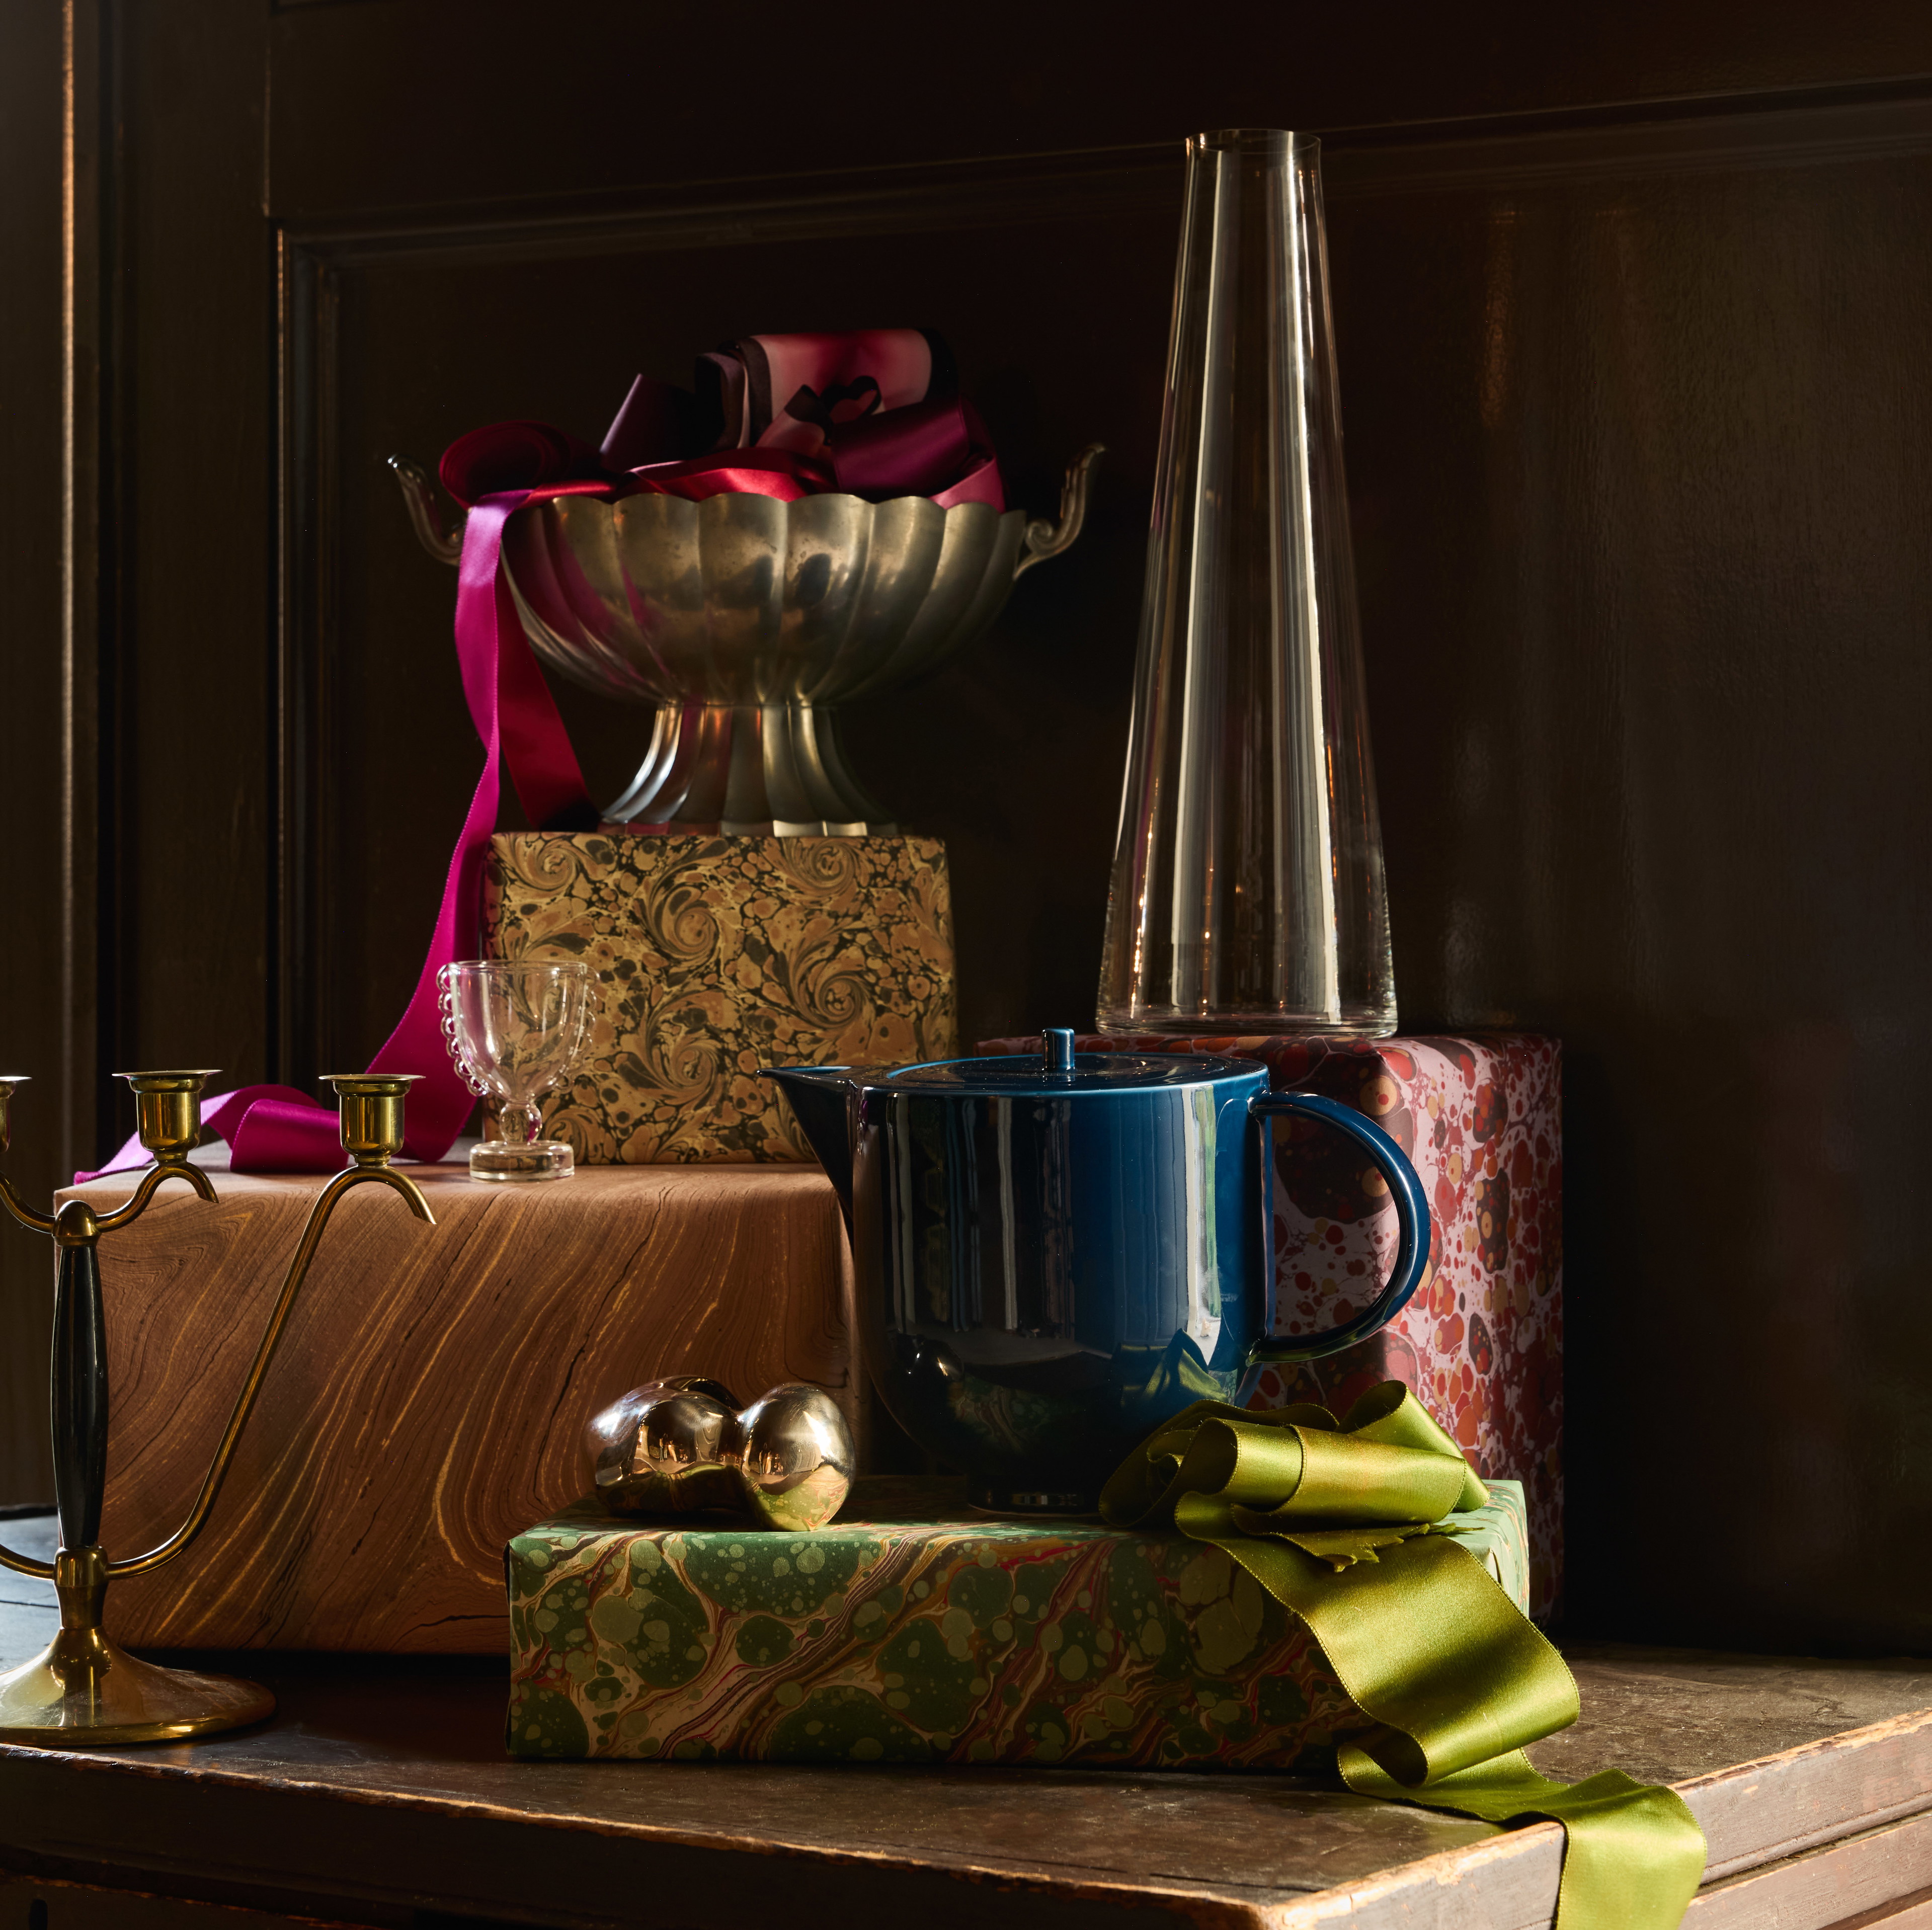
(82, 1688)
(372, 1113)
(514, 1028)
(167, 1107)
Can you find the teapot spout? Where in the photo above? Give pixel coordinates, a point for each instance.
(820, 1098)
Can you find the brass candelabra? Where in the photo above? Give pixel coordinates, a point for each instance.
(82, 1688)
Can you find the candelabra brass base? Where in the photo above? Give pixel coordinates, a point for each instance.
(81, 1690)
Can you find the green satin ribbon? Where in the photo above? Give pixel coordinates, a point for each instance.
(1342, 1524)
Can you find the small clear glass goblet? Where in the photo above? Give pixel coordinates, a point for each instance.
(514, 1028)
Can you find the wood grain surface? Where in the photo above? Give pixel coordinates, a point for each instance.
(79, 1906)
(379, 1784)
(1859, 1880)
(428, 1395)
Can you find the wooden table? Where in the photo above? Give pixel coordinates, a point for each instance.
(380, 1795)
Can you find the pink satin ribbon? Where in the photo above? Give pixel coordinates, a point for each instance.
(935, 447)
(873, 412)
(276, 1129)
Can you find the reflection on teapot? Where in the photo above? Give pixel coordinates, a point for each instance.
(680, 1443)
(1054, 1253)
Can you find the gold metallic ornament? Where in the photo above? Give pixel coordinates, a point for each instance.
(660, 1449)
(680, 1443)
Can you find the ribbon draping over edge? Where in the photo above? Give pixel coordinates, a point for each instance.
(1342, 1524)
(277, 1129)
(839, 428)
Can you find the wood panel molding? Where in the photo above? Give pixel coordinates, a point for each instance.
(1055, 189)
(90, 181)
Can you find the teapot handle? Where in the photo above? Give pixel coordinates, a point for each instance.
(1412, 1208)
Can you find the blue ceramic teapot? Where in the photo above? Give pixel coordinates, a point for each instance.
(1055, 1252)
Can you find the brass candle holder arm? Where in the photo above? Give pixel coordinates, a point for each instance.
(168, 1106)
(25, 1564)
(82, 1687)
(80, 1346)
(37, 1223)
(136, 1204)
(80, 1391)
(291, 1285)
(80, 1377)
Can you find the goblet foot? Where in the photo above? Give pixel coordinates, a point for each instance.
(498, 1159)
(82, 1690)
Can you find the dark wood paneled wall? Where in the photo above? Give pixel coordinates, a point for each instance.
(1631, 313)
(36, 1010)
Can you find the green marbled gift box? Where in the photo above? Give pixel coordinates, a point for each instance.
(913, 1630)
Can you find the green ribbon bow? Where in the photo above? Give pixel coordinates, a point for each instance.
(1343, 1525)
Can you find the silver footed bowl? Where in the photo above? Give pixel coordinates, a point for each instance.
(748, 622)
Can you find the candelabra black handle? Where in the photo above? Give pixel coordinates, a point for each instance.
(79, 1395)
(79, 1388)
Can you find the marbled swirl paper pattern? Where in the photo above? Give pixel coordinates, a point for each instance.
(714, 956)
(922, 1634)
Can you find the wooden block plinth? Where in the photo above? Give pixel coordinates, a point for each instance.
(427, 1398)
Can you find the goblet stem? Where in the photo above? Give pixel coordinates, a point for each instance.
(523, 1124)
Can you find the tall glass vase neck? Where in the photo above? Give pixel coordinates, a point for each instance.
(1248, 893)
(1274, 146)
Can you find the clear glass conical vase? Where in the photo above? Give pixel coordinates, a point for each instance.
(1247, 886)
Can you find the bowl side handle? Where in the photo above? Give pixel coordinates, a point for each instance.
(425, 518)
(1044, 539)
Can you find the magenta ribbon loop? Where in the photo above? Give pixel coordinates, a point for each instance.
(872, 413)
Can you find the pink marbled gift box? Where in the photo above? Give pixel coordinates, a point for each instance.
(1482, 1341)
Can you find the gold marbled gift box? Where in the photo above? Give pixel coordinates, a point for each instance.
(714, 956)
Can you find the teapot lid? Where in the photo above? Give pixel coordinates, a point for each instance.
(1056, 1068)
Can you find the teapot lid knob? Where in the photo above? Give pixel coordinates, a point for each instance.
(1058, 1042)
